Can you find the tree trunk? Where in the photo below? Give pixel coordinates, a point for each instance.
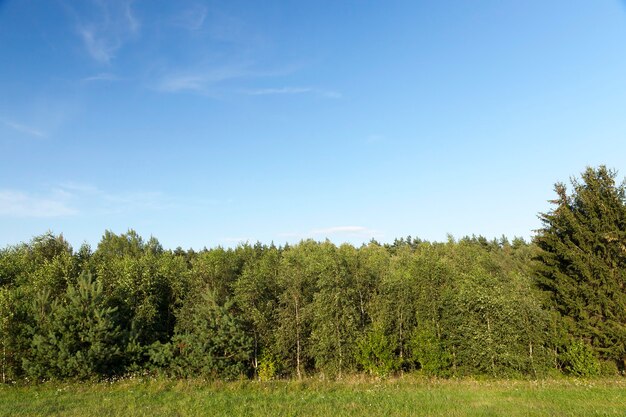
(298, 371)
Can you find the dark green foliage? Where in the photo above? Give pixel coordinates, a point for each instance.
(583, 260)
(211, 343)
(73, 336)
(144, 284)
(14, 335)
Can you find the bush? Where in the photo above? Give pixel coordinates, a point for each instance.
(608, 368)
(580, 360)
(376, 354)
(267, 367)
(430, 354)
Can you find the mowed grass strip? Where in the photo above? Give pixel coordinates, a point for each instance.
(407, 396)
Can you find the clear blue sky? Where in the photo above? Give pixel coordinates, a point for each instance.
(209, 123)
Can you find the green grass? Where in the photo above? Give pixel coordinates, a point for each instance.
(409, 396)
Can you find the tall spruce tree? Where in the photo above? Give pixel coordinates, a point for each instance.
(583, 260)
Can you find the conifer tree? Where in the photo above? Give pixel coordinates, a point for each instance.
(74, 336)
(212, 342)
(583, 260)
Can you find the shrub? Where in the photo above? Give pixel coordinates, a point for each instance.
(579, 360)
(608, 368)
(430, 354)
(376, 353)
(267, 367)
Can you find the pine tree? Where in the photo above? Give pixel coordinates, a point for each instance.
(583, 260)
(212, 342)
(74, 336)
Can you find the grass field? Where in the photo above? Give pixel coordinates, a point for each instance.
(407, 396)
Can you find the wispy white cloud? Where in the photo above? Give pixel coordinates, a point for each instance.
(100, 48)
(131, 20)
(20, 204)
(39, 117)
(104, 202)
(71, 199)
(112, 24)
(175, 83)
(22, 128)
(294, 90)
(203, 80)
(103, 76)
(192, 18)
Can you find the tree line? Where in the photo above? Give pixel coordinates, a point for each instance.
(470, 306)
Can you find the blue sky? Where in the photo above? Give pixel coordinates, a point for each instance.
(211, 123)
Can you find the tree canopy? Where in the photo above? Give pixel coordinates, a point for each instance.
(462, 307)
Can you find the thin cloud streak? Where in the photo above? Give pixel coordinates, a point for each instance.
(29, 130)
(22, 205)
(191, 19)
(200, 81)
(181, 83)
(112, 203)
(100, 48)
(104, 76)
(294, 90)
(72, 199)
(104, 35)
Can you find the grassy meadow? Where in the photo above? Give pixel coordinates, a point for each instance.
(407, 396)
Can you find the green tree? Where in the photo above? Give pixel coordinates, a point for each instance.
(335, 310)
(583, 260)
(217, 269)
(144, 283)
(393, 306)
(297, 280)
(493, 319)
(256, 293)
(14, 337)
(73, 336)
(213, 343)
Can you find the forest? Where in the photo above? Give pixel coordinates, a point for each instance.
(468, 306)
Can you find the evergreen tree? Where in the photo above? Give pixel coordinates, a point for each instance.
(74, 336)
(212, 342)
(583, 260)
